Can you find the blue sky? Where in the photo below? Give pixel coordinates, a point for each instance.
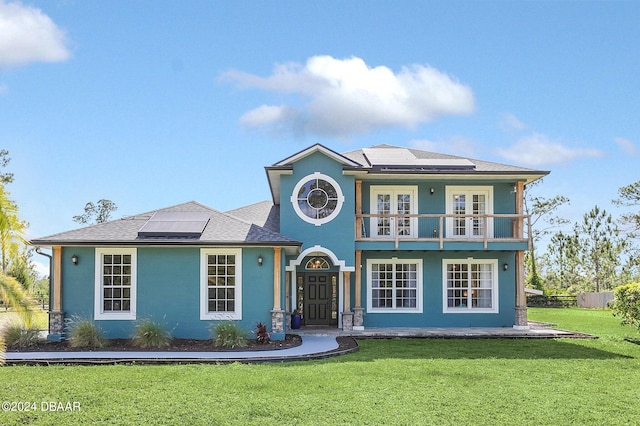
(154, 103)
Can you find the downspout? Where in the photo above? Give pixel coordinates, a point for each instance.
(38, 250)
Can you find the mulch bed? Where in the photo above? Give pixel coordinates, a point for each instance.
(177, 345)
(345, 345)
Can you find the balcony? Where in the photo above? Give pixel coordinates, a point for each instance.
(443, 228)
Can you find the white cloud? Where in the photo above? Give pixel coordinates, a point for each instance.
(509, 122)
(538, 150)
(627, 146)
(456, 145)
(28, 35)
(346, 97)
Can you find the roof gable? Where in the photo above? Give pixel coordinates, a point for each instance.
(313, 149)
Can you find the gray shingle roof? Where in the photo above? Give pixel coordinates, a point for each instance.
(264, 214)
(222, 228)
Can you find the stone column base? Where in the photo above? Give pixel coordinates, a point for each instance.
(56, 326)
(277, 324)
(521, 318)
(358, 319)
(347, 321)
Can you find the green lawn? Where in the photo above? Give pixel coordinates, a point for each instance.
(40, 318)
(405, 382)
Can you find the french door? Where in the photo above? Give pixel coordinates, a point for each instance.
(472, 205)
(391, 203)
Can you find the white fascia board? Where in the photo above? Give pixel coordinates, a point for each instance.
(273, 176)
(451, 177)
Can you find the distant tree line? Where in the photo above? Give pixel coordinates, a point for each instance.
(598, 253)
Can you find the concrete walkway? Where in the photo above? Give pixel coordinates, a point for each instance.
(317, 342)
(534, 330)
(311, 347)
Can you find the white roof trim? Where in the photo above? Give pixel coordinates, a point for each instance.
(318, 250)
(317, 148)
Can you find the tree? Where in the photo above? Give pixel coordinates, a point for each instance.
(12, 229)
(600, 247)
(563, 261)
(12, 237)
(96, 213)
(541, 210)
(5, 178)
(626, 304)
(629, 196)
(21, 268)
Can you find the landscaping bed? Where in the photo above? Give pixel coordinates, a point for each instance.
(176, 345)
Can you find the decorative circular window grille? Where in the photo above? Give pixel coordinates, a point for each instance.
(317, 198)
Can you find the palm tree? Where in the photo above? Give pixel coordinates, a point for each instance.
(12, 231)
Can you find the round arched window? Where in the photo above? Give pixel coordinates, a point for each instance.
(317, 198)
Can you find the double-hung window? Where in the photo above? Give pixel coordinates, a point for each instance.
(221, 284)
(115, 284)
(394, 285)
(470, 285)
(473, 207)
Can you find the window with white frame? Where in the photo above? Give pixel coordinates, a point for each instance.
(221, 284)
(391, 202)
(317, 198)
(394, 285)
(115, 284)
(473, 204)
(470, 285)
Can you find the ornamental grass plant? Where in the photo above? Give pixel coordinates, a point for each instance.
(85, 333)
(229, 335)
(150, 335)
(17, 335)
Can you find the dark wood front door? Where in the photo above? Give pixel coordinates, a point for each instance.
(318, 294)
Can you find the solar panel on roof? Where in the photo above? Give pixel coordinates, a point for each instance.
(389, 156)
(175, 224)
(402, 158)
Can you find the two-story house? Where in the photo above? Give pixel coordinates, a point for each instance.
(377, 237)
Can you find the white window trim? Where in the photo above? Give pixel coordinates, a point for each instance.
(468, 190)
(99, 313)
(204, 294)
(469, 309)
(394, 261)
(300, 213)
(374, 190)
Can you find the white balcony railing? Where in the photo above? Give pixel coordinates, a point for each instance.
(443, 228)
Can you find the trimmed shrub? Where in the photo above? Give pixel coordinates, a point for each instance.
(85, 334)
(229, 335)
(626, 304)
(20, 336)
(149, 334)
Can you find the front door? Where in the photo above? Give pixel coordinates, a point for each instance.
(320, 299)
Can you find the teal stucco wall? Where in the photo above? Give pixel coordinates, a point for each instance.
(168, 290)
(432, 296)
(336, 235)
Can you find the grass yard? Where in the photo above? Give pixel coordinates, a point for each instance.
(40, 318)
(404, 382)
